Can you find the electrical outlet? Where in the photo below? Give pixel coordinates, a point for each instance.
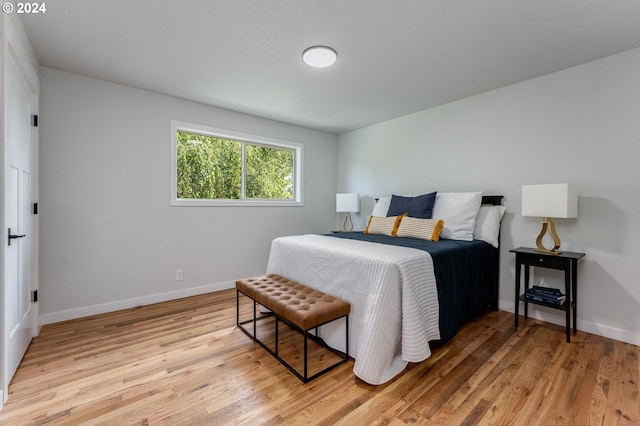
(179, 275)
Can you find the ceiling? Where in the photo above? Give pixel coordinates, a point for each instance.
(395, 57)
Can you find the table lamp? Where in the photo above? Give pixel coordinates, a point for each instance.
(558, 200)
(347, 203)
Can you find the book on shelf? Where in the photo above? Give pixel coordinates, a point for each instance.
(545, 290)
(555, 299)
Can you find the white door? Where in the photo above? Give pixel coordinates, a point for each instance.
(19, 314)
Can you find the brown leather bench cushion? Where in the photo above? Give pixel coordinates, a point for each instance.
(302, 305)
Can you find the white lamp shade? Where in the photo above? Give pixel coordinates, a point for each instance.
(347, 203)
(554, 200)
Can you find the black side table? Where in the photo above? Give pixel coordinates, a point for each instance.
(566, 261)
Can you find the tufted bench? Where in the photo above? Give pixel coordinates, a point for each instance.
(302, 307)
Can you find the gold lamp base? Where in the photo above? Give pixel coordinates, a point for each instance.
(347, 226)
(548, 225)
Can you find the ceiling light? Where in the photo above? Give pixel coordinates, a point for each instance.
(319, 56)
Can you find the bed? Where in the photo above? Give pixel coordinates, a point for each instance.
(406, 294)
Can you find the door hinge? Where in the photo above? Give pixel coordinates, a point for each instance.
(35, 208)
(34, 120)
(34, 296)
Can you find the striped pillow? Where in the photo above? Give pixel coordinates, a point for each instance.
(383, 225)
(425, 229)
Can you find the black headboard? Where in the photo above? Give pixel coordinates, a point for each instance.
(494, 200)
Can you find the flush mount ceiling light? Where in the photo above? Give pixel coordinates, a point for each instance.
(319, 56)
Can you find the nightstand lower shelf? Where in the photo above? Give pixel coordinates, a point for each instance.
(562, 307)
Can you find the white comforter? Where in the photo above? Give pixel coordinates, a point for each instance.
(392, 291)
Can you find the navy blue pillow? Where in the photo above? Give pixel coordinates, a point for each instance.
(420, 206)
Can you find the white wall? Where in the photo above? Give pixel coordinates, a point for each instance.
(580, 125)
(109, 238)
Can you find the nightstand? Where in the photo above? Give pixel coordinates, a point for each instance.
(565, 261)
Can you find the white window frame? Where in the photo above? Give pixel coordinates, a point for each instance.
(297, 148)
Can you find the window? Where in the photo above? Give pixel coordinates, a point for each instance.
(213, 167)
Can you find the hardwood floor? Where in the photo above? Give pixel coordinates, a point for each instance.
(184, 362)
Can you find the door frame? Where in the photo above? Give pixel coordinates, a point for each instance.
(14, 45)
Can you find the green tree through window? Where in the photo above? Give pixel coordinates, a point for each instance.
(269, 173)
(212, 168)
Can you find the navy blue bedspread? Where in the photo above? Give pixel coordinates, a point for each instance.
(466, 275)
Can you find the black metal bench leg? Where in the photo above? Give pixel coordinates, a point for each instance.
(238, 308)
(346, 352)
(277, 327)
(305, 357)
(254, 320)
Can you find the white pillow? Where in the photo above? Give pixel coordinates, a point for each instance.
(382, 207)
(459, 211)
(488, 224)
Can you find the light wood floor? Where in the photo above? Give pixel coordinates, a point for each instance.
(185, 363)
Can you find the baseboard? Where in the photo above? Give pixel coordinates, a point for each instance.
(131, 303)
(588, 326)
